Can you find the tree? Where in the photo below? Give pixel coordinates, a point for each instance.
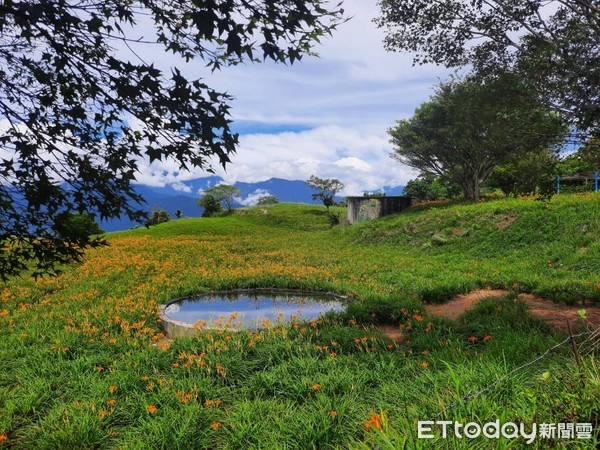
(67, 98)
(211, 205)
(157, 217)
(225, 194)
(554, 43)
(222, 195)
(468, 128)
(267, 200)
(430, 187)
(525, 174)
(178, 214)
(327, 189)
(77, 226)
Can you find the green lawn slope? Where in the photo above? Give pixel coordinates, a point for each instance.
(84, 363)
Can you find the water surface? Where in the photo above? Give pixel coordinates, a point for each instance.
(244, 310)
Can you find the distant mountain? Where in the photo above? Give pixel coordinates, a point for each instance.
(284, 190)
(184, 196)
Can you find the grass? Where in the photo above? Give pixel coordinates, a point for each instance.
(83, 366)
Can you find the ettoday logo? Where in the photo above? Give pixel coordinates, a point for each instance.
(494, 430)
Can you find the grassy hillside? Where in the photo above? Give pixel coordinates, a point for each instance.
(84, 363)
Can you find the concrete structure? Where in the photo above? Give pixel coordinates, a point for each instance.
(361, 209)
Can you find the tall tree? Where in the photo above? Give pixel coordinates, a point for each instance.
(326, 188)
(67, 98)
(468, 127)
(554, 42)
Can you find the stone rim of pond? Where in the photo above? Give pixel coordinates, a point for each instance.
(176, 328)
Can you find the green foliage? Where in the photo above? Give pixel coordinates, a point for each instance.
(211, 205)
(267, 200)
(326, 189)
(334, 219)
(553, 44)
(158, 216)
(525, 174)
(70, 226)
(429, 187)
(224, 194)
(69, 95)
(84, 361)
(585, 159)
(469, 127)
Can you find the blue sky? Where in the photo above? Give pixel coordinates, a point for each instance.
(326, 116)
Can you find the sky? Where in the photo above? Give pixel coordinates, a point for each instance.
(325, 115)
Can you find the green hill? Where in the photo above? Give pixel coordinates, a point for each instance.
(85, 364)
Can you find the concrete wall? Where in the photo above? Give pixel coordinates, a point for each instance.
(361, 209)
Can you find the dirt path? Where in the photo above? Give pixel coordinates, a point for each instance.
(555, 314)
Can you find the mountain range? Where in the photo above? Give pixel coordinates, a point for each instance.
(184, 196)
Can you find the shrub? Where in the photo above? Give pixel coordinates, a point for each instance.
(76, 226)
(158, 216)
(211, 205)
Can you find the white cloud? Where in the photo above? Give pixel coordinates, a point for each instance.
(343, 102)
(354, 163)
(325, 116)
(358, 156)
(254, 197)
(182, 187)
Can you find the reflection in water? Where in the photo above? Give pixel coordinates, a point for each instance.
(245, 310)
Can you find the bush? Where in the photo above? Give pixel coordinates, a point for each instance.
(158, 216)
(267, 200)
(76, 226)
(211, 205)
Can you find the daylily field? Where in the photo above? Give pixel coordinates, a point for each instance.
(84, 362)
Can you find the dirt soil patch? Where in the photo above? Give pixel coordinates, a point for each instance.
(507, 222)
(555, 314)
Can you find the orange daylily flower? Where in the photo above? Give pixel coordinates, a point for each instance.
(373, 422)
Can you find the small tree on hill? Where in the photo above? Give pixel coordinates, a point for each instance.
(327, 189)
(225, 194)
(158, 216)
(267, 200)
(210, 204)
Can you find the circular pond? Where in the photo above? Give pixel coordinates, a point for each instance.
(244, 309)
